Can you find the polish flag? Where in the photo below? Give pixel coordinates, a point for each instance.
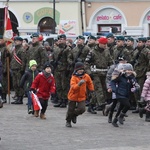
(8, 33)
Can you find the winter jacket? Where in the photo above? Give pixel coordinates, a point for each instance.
(122, 85)
(78, 93)
(146, 90)
(27, 79)
(44, 86)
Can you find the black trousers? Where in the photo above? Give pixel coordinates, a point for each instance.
(44, 104)
(75, 109)
(124, 106)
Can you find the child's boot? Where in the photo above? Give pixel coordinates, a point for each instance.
(147, 119)
(36, 113)
(114, 122)
(42, 116)
(121, 118)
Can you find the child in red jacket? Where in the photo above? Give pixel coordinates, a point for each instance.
(79, 83)
(44, 85)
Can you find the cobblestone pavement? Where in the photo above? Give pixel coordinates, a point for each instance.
(20, 131)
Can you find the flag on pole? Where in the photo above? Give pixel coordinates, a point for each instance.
(8, 32)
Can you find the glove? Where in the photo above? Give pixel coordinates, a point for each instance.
(133, 89)
(81, 82)
(33, 90)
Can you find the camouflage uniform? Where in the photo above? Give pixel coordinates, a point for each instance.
(38, 53)
(100, 59)
(4, 55)
(17, 72)
(61, 63)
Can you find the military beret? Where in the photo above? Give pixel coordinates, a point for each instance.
(18, 38)
(130, 39)
(92, 37)
(1, 36)
(148, 38)
(102, 40)
(62, 36)
(81, 37)
(142, 39)
(120, 38)
(110, 35)
(34, 35)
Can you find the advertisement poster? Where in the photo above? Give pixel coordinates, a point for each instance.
(67, 27)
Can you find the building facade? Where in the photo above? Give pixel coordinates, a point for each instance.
(74, 17)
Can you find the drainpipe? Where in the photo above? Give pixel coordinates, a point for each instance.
(83, 16)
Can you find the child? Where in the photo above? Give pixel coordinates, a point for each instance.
(145, 96)
(27, 80)
(79, 83)
(44, 84)
(123, 83)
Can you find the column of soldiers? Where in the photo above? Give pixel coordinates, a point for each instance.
(97, 55)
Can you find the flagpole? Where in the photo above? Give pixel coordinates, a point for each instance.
(7, 59)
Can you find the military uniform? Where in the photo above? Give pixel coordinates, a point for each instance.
(61, 72)
(18, 67)
(38, 53)
(97, 62)
(4, 55)
(141, 64)
(120, 51)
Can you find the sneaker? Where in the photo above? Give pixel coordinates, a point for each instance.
(68, 124)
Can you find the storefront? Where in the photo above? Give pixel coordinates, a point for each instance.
(121, 17)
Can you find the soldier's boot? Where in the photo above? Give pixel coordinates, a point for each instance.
(1, 103)
(141, 112)
(42, 116)
(14, 102)
(54, 98)
(147, 118)
(4, 99)
(107, 109)
(121, 118)
(36, 113)
(114, 122)
(110, 117)
(59, 103)
(19, 101)
(91, 109)
(64, 103)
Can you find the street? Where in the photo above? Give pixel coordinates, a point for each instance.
(21, 131)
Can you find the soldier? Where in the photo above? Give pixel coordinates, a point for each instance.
(91, 41)
(148, 43)
(36, 52)
(61, 65)
(97, 62)
(111, 43)
(120, 49)
(4, 55)
(141, 61)
(18, 67)
(79, 53)
(130, 45)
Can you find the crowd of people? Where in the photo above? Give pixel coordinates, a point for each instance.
(106, 74)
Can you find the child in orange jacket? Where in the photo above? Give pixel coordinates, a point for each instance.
(79, 83)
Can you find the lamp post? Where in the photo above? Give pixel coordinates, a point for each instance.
(53, 16)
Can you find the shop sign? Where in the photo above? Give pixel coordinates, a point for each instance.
(45, 12)
(109, 15)
(67, 27)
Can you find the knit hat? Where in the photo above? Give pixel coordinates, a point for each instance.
(79, 66)
(102, 40)
(47, 64)
(31, 63)
(126, 66)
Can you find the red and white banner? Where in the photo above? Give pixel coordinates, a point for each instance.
(36, 102)
(8, 32)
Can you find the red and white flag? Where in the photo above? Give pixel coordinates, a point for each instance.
(8, 32)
